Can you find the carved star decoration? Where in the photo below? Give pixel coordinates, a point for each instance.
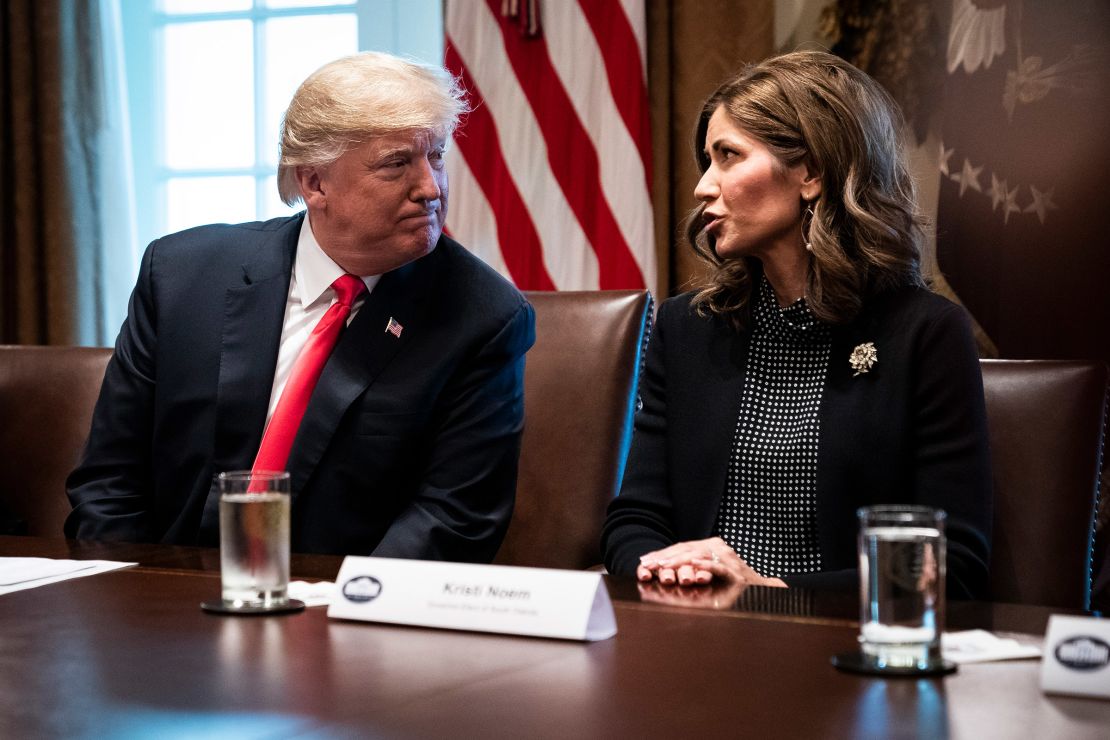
(968, 178)
(945, 155)
(1010, 205)
(997, 192)
(1042, 203)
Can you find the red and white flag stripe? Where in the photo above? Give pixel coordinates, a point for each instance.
(550, 173)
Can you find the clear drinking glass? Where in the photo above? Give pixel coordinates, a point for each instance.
(901, 567)
(254, 539)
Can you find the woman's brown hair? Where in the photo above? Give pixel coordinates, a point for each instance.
(865, 231)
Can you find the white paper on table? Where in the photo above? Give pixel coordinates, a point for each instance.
(312, 594)
(17, 574)
(980, 646)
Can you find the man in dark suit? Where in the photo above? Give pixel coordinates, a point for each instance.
(408, 446)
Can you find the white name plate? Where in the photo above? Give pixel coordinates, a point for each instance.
(542, 602)
(1076, 656)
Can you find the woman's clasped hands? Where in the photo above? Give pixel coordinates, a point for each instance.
(700, 562)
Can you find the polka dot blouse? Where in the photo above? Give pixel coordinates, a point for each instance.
(768, 513)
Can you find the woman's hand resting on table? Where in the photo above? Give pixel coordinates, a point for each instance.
(699, 562)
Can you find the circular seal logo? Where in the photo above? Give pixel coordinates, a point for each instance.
(1083, 653)
(361, 589)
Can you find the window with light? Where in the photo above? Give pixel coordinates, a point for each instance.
(208, 81)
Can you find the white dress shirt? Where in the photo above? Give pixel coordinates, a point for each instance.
(310, 296)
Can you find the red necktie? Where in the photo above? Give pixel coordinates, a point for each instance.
(277, 440)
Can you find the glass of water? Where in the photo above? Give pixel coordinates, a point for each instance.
(254, 539)
(901, 567)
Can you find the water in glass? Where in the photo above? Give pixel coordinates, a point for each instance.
(254, 548)
(902, 594)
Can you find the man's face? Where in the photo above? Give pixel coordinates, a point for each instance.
(381, 204)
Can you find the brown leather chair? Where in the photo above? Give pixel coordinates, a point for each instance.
(1100, 569)
(579, 397)
(47, 396)
(1046, 423)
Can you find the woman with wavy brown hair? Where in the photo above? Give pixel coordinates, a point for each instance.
(816, 373)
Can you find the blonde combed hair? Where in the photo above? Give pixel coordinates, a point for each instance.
(347, 101)
(866, 233)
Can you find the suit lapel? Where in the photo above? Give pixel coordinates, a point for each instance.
(364, 349)
(254, 312)
(722, 383)
(842, 398)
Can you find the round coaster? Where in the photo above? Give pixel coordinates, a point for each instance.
(219, 607)
(857, 662)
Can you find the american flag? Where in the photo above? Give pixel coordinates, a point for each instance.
(393, 327)
(551, 172)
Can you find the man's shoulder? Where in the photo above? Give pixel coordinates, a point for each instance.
(467, 278)
(469, 265)
(227, 238)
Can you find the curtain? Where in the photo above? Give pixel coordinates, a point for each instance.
(62, 163)
(693, 45)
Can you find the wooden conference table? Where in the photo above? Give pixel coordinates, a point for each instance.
(129, 654)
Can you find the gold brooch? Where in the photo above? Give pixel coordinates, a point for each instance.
(863, 358)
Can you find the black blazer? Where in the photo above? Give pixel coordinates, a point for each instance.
(912, 430)
(408, 447)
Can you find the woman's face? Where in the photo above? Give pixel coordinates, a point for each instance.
(753, 203)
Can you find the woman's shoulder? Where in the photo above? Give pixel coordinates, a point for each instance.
(680, 302)
(682, 310)
(687, 330)
(915, 302)
(917, 318)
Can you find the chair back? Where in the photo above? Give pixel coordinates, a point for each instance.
(1100, 566)
(47, 396)
(579, 397)
(1046, 421)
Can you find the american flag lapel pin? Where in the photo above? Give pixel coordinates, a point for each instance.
(393, 327)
